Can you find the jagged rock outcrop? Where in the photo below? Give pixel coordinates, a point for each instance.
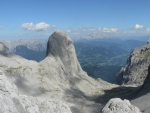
(3, 49)
(116, 105)
(135, 70)
(12, 102)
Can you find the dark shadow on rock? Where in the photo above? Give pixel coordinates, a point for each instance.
(118, 92)
(129, 93)
(144, 89)
(79, 98)
(25, 87)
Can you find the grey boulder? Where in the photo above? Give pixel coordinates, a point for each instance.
(116, 105)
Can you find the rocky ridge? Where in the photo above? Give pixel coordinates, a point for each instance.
(136, 68)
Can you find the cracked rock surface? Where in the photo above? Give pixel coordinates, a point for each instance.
(116, 105)
(12, 102)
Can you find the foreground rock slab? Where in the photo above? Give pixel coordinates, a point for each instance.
(12, 102)
(116, 105)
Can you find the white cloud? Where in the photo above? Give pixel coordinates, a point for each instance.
(148, 30)
(109, 30)
(37, 27)
(98, 29)
(68, 31)
(137, 26)
(82, 28)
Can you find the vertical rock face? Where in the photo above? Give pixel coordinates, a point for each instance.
(142, 97)
(3, 49)
(116, 105)
(135, 70)
(61, 47)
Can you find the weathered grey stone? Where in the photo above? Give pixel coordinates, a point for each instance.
(136, 68)
(116, 105)
(3, 49)
(12, 102)
(142, 97)
(61, 47)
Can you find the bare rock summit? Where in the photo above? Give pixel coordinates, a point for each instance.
(61, 47)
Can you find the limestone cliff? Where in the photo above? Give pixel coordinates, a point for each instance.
(135, 70)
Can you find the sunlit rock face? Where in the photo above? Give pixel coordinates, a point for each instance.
(136, 68)
(61, 47)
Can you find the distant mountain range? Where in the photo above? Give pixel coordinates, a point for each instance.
(96, 56)
(34, 49)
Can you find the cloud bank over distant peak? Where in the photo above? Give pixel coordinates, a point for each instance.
(94, 30)
(42, 26)
(148, 30)
(110, 30)
(137, 26)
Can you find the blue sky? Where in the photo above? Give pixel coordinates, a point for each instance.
(78, 18)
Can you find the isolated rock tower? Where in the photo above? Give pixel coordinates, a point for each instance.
(61, 47)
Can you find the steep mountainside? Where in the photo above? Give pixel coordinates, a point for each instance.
(135, 70)
(142, 97)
